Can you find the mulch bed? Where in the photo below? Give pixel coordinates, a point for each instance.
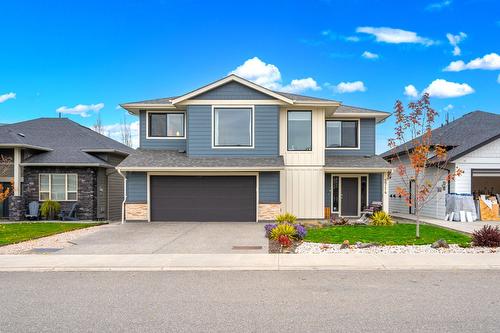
(275, 247)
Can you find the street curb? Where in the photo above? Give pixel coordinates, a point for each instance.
(247, 262)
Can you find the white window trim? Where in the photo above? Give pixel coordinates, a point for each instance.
(252, 124)
(50, 186)
(344, 175)
(165, 137)
(344, 148)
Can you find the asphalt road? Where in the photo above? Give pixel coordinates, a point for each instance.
(309, 301)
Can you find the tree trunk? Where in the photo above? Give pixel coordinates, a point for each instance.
(417, 234)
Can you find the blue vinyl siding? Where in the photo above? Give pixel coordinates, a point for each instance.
(174, 144)
(269, 187)
(375, 187)
(137, 187)
(266, 140)
(367, 141)
(233, 90)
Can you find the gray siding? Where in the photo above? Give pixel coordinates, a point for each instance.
(102, 190)
(266, 139)
(328, 190)
(375, 187)
(175, 144)
(115, 196)
(269, 187)
(137, 187)
(367, 141)
(233, 90)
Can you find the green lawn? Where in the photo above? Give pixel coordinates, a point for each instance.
(398, 234)
(20, 232)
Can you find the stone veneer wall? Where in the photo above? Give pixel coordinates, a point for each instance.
(17, 208)
(136, 211)
(87, 188)
(268, 212)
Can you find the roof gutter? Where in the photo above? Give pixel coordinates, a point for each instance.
(159, 169)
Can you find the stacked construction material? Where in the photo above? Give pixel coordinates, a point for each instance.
(489, 208)
(460, 208)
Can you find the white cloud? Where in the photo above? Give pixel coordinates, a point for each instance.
(455, 40)
(114, 131)
(411, 91)
(269, 76)
(81, 109)
(7, 96)
(370, 55)
(395, 36)
(350, 87)
(352, 39)
(448, 107)
(488, 62)
(439, 5)
(444, 89)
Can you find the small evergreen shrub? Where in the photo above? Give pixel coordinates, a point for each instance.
(487, 236)
(381, 218)
(50, 209)
(283, 229)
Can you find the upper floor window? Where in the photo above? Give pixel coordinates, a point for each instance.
(166, 125)
(233, 127)
(342, 134)
(58, 187)
(299, 130)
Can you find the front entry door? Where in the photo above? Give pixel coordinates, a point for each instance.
(349, 206)
(4, 205)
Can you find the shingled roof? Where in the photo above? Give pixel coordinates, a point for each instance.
(462, 135)
(60, 141)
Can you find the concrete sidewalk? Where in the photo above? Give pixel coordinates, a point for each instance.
(273, 262)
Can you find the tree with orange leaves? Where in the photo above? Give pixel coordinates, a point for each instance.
(413, 139)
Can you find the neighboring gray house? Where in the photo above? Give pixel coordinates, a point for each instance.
(473, 143)
(236, 151)
(58, 159)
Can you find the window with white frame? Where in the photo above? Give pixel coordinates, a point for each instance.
(233, 127)
(342, 134)
(58, 187)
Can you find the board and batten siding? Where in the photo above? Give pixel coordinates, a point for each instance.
(233, 91)
(269, 187)
(367, 137)
(303, 192)
(315, 157)
(161, 143)
(435, 208)
(137, 187)
(200, 133)
(485, 157)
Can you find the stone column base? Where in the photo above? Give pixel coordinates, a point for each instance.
(268, 212)
(17, 208)
(136, 212)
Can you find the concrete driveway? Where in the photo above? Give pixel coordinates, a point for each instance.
(182, 237)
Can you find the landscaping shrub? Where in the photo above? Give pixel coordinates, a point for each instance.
(301, 231)
(381, 218)
(338, 220)
(284, 241)
(283, 229)
(50, 209)
(488, 236)
(268, 228)
(286, 218)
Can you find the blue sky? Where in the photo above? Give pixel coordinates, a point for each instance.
(97, 54)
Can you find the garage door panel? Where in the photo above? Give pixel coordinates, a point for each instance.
(203, 198)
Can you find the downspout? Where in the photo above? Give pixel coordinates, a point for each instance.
(124, 193)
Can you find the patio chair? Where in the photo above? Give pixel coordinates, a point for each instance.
(34, 211)
(71, 215)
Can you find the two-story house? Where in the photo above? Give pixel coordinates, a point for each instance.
(236, 151)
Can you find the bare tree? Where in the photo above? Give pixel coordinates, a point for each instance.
(126, 132)
(98, 127)
(413, 133)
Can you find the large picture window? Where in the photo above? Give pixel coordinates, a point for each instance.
(299, 130)
(233, 127)
(342, 134)
(166, 125)
(58, 187)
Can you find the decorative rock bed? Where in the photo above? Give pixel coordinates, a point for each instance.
(317, 248)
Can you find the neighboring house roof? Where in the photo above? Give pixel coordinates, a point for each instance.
(462, 135)
(60, 142)
(356, 162)
(170, 159)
